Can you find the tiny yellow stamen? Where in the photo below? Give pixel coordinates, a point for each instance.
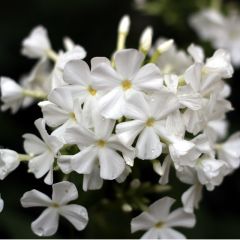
(55, 205)
(159, 224)
(101, 143)
(126, 84)
(92, 91)
(72, 116)
(150, 122)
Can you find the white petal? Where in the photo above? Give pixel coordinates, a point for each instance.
(162, 104)
(103, 127)
(137, 107)
(193, 76)
(191, 198)
(53, 115)
(64, 162)
(92, 181)
(63, 98)
(1, 204)
(105, 77)
(143, 221)
(35, 198)
(111, 164)
(41, 164)
(169, 233)
(179, 218)
(148, 78)
(196, 52)
(76, 215)
(148, 144)
(47, 223)
(77, 72)
(159, 210)
(166, 170)
(84, 161)
(79, 135)
(152, 233)
(127, 152)
(64, 192)
(128, 61)
(98, 60)
(128, 131)
(112, 104)
(33, 145)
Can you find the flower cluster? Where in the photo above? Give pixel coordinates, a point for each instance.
(157, 103)
(222, 31)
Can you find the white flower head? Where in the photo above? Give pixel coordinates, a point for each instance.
(159, 222)
(37, 44)
(9, 161)
(62, 193)
(128, 77)
(43, 152)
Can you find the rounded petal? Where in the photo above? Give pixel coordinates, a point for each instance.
(128, 131)
(148, 144)
(33, 145)
(148, 78)
(47, 223)
(169, 233)
(41, 164)
(77, 72)
(76, 215)
(112, 104)
(92, 181)
(34, 198)
(53, 115)
(142, 222)
(84, 161)
(179, 218)
(111, 164)
(128, 61)
(64, 192)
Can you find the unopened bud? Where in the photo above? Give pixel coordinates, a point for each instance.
(124, 24)
(146, 40)
(165, 46)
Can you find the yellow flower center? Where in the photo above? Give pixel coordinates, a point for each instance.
(101, 143)
(159, 224)
(72, 116)
(55, 205)
(126, 84)
(150, 122)
(92, 91)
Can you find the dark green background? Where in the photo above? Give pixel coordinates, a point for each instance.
(93, 24)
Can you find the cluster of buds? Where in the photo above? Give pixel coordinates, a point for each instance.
(154, 103)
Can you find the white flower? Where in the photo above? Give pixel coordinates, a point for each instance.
(146, 123)
(99, 147)
(159, 222)
(61, 110)
(78, 75)
(1, 204)
(37, 44)
(229, 151)
(9, 161)
(42, 152)
(62, 193)
(128, 77)
(12, 94)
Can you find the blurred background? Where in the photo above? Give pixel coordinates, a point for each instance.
(93, 24)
